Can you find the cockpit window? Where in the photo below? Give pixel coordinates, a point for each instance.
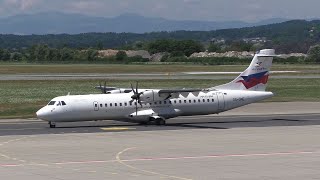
(51, 103)
(59, 104)
(63, 103)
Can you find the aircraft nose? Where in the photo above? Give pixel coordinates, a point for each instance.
(42, 114)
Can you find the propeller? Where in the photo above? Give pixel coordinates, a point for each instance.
(136, 96)
(103, 89)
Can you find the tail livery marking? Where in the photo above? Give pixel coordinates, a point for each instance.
(254, 79)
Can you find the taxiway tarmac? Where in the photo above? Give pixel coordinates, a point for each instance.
(248, 146)
(217, 76)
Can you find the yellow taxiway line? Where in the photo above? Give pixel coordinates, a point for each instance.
(117, 129)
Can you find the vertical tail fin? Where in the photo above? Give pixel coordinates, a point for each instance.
(255, 77)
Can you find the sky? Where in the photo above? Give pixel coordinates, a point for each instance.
(207, 10)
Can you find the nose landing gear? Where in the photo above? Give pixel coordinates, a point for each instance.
(52, 124)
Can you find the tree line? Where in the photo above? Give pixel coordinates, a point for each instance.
(45, 53)
(287, 37)
(175, 51)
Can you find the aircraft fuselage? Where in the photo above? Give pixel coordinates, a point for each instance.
(121, 106)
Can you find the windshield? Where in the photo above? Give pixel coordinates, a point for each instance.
(51, 103)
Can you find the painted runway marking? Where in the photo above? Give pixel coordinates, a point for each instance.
(119, 160)
(117, 128)
(224, 156)
(169, 158)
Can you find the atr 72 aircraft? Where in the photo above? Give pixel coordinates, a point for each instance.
(159, 105)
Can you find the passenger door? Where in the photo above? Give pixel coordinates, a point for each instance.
(221, 102)
(96, 106)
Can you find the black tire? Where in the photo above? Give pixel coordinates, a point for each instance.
(160, 122)
(52, 125)
(143, 123)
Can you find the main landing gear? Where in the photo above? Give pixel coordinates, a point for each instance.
(52, 124)
(156, 121)
(160, 122)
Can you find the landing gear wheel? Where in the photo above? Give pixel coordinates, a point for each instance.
(160, 122)
(144, 122)
(52, 125)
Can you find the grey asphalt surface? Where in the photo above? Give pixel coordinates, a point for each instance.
(8, 77)
(252, 145)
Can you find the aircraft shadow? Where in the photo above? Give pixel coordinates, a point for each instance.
(215, 123)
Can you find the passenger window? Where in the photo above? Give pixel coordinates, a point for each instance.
(175, 101)
(96, 105)
(194, 101)
(115, 104)
(170, 102)
(203, 100)
(199, 100)
(120, 104)
(185, 101)
(106, 105)
(165, 102)
(190, 101)
(160, 102)
(180, 101)
(212, 100)
(130, 103)
(155, 103)
(110, 104)
(100, 105)
(208, 100)
(125, 104)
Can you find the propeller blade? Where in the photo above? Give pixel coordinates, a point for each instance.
(104, 87)
(137, 87)
(136, 108)
(101, 87)
(140, 103)
(132, 89)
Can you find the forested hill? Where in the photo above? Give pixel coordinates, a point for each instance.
(290, 36)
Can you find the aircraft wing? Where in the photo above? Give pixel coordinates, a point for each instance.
(106, 88)
(113, 90)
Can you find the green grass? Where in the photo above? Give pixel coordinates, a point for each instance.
(24, 98)
(122, 68)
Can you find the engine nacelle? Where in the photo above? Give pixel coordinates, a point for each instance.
(117, 91)
(151, 96)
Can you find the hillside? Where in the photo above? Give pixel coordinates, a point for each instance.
(286, 37)
(58, 23)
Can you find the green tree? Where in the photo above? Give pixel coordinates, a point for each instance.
(66, 54)
(100, 45)
(5, 55)
(187, 47)
(239, 46)
(91, 54)
(214, 48)
(314, 54)
(177, 54)
(16, 56)
(121, 55)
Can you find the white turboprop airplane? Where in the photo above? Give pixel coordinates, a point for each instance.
(158, 105)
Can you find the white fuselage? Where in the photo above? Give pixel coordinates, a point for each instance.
(121, 107)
